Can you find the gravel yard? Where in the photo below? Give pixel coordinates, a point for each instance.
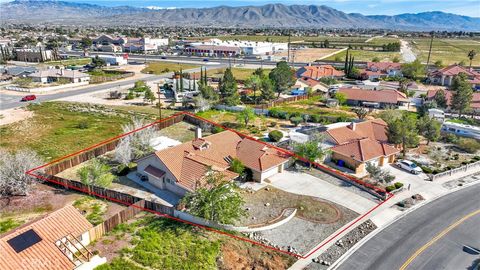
(300, 235)
(334, 252)
(268, 204)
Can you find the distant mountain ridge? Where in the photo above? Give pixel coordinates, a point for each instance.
(271, 15)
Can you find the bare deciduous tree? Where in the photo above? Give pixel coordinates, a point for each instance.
(202, 104)
(13, 168)
(123, 151)
(139, 141)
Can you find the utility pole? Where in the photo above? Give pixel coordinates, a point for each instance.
(159, 102)
(288, 47)
(429, 53)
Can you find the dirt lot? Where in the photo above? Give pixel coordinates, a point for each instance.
(14, 115)
(308, 55)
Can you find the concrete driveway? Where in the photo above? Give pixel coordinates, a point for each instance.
(305, 184)
(417, 182)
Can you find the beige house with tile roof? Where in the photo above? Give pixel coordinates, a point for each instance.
(359, 143)
(182, 168)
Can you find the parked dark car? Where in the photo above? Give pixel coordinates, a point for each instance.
(205, 60)
(29, 98)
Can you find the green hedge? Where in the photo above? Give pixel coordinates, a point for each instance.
(313, 118)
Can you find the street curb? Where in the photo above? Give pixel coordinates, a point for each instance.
(352, 250)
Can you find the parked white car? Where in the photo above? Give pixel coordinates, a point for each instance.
(409, 166)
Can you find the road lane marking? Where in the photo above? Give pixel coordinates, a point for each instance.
(436, 238)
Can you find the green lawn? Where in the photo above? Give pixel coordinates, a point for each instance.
(165, 67)
(449, 51)
(383, 40)
(159, 243)
(71, 62)
(361, 55)
(238, 73)
(60, 128)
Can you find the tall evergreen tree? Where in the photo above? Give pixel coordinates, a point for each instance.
(462, 94)
(228, 89)
(283, 77)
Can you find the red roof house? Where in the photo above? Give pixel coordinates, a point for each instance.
(183, 168)
(445, 75)
(318, 72)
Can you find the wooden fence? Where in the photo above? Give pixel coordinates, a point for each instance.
(119, 218)
(62, 165)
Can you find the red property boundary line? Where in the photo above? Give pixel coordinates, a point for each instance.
(291, 154)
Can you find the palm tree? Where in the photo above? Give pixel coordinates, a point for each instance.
(471, 55)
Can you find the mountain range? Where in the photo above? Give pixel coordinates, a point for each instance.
(271, 15)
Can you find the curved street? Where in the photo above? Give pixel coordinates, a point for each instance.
(444, 234)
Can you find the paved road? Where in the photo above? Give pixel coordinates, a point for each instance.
(395, 245)
(9, 101)
(199, 60)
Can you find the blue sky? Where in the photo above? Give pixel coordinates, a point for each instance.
(367, 7)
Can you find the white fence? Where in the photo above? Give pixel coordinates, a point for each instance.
(464, 169)
(46, 89)
(239, 109)
(190, 218)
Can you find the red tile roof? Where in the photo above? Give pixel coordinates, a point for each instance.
(383, 66)
(374, 129)
(365, 149)
(453, 70)
(190, 161)
(317, 72)
(383, 96)
(44, 254)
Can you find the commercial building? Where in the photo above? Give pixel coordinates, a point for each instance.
(217, 47)
(33, 55)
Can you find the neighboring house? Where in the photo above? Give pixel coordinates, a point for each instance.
(358, 143)
(33, 55)
(182, 168)
(55, 241)
(445, 75)
(304, 83)
(114, 59)
(474, 104)
(318, 72)
(54, 75)
(377, 70)
(375, 99)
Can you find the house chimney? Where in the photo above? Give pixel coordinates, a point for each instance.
(352, 126)
(198, 133)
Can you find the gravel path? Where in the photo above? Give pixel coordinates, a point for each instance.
(407, 52)
(340, 247)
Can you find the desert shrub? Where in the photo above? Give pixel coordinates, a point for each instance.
(476, 158)
(390, 188)
(296, 120)
(217, 129)
(82, 125)
(275, 135)
(426, 169)
(123, 170)
(398, 185)
(315, 118)
(468, 145)
(450, 138)
(237, 166)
